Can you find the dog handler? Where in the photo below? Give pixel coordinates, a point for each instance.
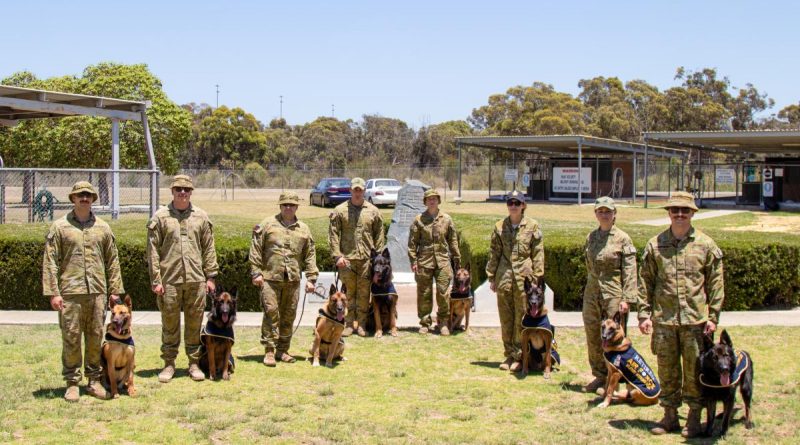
(516, 253)
(611, 283)
(432, 242)
(183, 263)
(282, 247)
(356, 228)
(681, 291)
(80, 268)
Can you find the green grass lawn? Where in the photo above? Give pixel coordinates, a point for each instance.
(409, 389)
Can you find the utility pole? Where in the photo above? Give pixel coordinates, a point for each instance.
(217, 85)
(333, 109)
(281, 115)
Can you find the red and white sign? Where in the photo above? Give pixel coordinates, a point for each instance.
(565, 180)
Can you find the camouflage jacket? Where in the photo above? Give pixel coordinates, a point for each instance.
(515, 254)
(180, 246)
(80, 258)
(432, 241)
(611, 265)
(354, 231)
(279, 252)
(681, 281)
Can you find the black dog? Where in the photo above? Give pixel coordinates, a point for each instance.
(217, 336)
(384, 295)
(721, 371)
(538, 335)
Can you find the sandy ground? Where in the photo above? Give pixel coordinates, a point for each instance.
(771, 223)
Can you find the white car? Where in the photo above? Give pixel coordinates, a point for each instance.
(382, 191)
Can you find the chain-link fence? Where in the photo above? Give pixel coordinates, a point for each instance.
(32, 195)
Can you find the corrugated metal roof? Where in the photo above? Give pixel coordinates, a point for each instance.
(566, 145)
(733, 141)
(17, 103)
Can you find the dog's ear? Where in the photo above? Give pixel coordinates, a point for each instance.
(466, 267)
(128, 302)
(725, 339)
(386, 253)
(373, 253)
(332, 291)
(528, 285)
(617, 318)
(344, 288)
(540, 283)
(232, 291)
(708, 342)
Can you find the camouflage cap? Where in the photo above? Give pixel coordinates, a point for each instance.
(681, 199)
(182, 181)
(429, 193)
(289, 198)
(516, 195)
(358, 183)
(83, 186)
(604, 202)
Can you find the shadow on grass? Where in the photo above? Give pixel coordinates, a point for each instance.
(145, 373)
(574, 387)
(494, 365)
(627, 424)
(49, 393)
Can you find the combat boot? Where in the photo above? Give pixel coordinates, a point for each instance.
(95, 389)
(195, 373)
(167, 373)
(506, 365)
(348, 331)
(361, 332)
(596, 385)
(73, 394)
(443, 331)
(269, 359)
(667, 424)
(423, 330)
(515, 366)
(692, 427)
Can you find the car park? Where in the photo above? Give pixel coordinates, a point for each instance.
(382, 191)
(330, 191)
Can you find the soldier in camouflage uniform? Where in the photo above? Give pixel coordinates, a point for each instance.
(611, 282)
(356, 227)
(282, 247)
(516, 253)
(432, 242)
(681, 291)
(79, 270)
(182, 263)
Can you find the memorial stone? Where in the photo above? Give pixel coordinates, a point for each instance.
(409, 205)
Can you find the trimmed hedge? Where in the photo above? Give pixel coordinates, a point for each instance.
(756, 275)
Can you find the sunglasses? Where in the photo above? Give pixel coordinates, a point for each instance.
(679, 210)
(182, 189)
(514, 203)
(83, 195)
(288, 205)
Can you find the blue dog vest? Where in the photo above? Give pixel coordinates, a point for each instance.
(741, 365)
(543, 323)
(125, 341)
(635, 370)
(384, 292)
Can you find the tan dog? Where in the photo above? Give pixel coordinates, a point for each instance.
(460, 301)
(618, 350)
(328, 331)
(217, 336)
(537, 333)
(118, 352)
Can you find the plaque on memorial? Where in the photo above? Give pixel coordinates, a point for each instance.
(409, 205)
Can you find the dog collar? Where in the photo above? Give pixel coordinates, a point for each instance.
(322, 313)
(379, 291)
(125, 341)
(213, 331)
(742, 363)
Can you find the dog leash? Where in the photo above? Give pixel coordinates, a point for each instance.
(316, 291)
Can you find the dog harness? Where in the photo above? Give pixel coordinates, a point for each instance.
(542, 323)
(742, 363)
(210, 330)
(125, 341)
(323, 314)
(635, 370)
(460, 296)
(383, 292)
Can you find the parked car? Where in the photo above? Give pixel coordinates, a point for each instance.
(382, 191)
(330, 191)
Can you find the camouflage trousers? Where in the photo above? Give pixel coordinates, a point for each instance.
(595, 310)
(82, 316)
(425, 279)
(191, 299)
(511, 308)
(279, 301)
(356, 279)
(677, 349)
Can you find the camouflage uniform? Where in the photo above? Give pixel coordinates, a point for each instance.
(181, 257)
(432, 241)
(279, 253)
(611, 277)
(81, 265)
(681, 287)
(354, 231)
(514, 255)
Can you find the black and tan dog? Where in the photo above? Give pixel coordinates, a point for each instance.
(217, 336)
(118, 351)
(623, 361)
(721, 371)
(538, 335)
(328, 341)
(384, 295)
(461, 300)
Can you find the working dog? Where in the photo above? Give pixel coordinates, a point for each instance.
(118, 351)
(721, 371)
(384, 295)
(538, 335)
(460, 300)
(328, 342)
(217, 336)
(622, 361)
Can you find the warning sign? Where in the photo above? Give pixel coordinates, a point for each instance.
(565, 180)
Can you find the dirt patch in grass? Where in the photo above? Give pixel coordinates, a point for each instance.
(770, 223)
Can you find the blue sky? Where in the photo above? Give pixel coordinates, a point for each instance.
(419, 61)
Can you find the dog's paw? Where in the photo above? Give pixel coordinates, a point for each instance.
(605, 404)
(329, 365)
(378, 334)
(547, 375)
(115, 396)
(132, 392)
(394, 332)
(226, 376)
(315, 364)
